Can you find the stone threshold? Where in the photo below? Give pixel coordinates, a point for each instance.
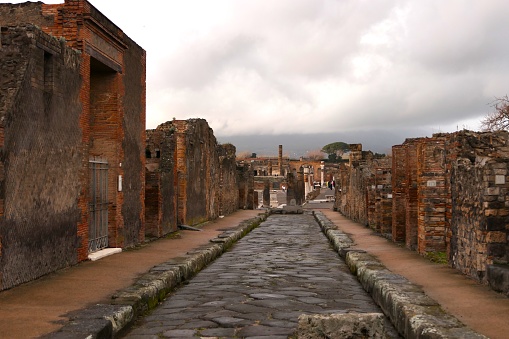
(103, 253)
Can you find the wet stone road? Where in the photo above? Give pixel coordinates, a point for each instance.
(258, 289)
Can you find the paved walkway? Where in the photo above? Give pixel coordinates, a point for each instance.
(38, 307)
(282, 269)
(477, 306)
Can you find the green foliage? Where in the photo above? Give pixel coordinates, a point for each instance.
(437, 257)
(334, 147)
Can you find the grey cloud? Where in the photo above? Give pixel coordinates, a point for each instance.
(200, 63)
(350, 66)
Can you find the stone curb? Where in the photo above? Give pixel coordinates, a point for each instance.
(106, 321)
(410, 310)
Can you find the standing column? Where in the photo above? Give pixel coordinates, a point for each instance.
(322, 168)
(280, 160)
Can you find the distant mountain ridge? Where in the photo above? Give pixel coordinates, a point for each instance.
(296, 145)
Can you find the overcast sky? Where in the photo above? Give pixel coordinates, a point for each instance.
(320, 66)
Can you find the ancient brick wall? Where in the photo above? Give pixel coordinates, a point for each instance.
(371, 196)
(399, 189)
(41, 157)
(450, 193)
(411, 209)
(433, 190)
(405, 192)
(341, 183)
(190, 178)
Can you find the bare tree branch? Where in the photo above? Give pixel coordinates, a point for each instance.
(499, 119)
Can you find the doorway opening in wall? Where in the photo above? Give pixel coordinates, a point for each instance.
(98, 205)
(105, 144)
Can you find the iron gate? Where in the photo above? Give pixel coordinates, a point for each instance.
(98, 205)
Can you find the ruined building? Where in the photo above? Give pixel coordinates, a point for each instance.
(364, 190)
(72, 133)
(448, 193)
(191, 178)
(299, 176)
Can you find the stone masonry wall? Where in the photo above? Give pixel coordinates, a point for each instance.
(161, 181)
(245, 180)
(198, 171)
(383, 196)
(450, 193)
(480, 208)
(110, 117)
(113, 109)
(40, 164)
(228, 193)
(355, 181)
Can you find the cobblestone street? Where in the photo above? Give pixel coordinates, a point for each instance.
(282, 269)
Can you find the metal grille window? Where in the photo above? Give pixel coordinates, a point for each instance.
(98, 205)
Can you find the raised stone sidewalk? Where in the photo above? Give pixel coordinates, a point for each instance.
(410, 310)
(413, 314)
(108, 320)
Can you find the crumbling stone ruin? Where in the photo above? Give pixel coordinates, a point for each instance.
(297, 176)
(78, 172)
(191, 178)
(447, 193)
(72, 107)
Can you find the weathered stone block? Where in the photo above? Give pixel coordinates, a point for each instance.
(498, 278)
(348, 325)
(494, 223)
(492, 191)
(496, 250)
(496, 237)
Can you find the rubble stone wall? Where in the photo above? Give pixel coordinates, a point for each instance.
(383, 195)
(246, 186)
(355, 181)
(480, 202)
(160, 181)
(228, 193)
(198, 171)
(190, 178)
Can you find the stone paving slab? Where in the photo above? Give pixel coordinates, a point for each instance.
(297, 272)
